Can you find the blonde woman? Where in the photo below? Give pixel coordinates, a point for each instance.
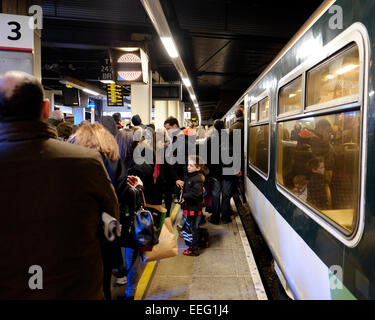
(95, 136)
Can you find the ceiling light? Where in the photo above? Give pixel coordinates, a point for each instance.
(330, 76)
(292, 95)
(169, 46)
(107, 81)
(347, 68)
(91, 92)
(186, 82)
(192, 96)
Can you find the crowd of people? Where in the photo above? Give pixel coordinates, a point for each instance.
(69, 175)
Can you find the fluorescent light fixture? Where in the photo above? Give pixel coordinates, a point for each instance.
(186, 82)
(347, 68)
(169, 46)
(371, 93)
(192, 96)
(330, 76)
(292, 95)
(107, 81)
(91, 92)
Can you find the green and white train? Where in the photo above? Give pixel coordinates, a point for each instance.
(310, 146)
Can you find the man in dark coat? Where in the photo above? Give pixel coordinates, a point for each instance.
(52, 196)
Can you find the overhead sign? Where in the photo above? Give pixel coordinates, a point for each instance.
(115, 97)
(167, 92)
(129, 65)
(106, 70)
(16, 33)
(187, 115)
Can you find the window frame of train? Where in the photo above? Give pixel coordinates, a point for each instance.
(355, 35)
(259, 123)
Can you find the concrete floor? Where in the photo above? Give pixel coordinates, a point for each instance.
(220, 272)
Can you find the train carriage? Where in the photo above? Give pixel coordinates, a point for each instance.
(309, 122)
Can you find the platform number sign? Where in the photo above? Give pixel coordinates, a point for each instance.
(16, 33)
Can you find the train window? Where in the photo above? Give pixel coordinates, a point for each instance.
(264, 109)
(258, 147)
(290, 97)
(253, 113)
(318, 162)
(335, 78)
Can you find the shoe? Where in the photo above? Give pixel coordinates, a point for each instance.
(121, 281)
(190, 252)
(213, 221)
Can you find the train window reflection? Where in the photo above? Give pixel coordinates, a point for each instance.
(336, 78)
(264, 109)
(290, 97)
(258, 147)
(319, 164)
(253, 113)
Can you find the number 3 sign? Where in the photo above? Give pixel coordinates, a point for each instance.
(15, 33)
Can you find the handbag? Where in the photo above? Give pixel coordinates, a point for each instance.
(167, 246)
(145, 233)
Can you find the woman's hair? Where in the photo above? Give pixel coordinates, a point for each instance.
(64, 130)
(125, 141)
(95, 136)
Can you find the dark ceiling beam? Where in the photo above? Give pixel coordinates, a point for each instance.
(213, 55)
(242, 37)
(223, 74)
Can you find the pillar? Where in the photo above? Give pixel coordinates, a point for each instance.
(141, 100)
(181, 110)
(161, 113)
(173, 109)
(79, 115)
(92, 113)
(21, 7)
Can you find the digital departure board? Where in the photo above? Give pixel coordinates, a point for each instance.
(115, 96)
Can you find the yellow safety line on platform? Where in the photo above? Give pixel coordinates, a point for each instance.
(145, 279)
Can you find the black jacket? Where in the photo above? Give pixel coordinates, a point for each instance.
(52, 197)
(193, 192)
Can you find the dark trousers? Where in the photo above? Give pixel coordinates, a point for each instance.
(168, 198)
(224, 187)
(112, 258)
(194, 225)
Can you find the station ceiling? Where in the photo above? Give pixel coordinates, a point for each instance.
(224, 44)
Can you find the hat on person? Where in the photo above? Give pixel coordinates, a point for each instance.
(136, 120)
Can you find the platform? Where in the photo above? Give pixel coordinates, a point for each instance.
(224, 271)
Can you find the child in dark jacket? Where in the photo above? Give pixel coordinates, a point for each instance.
(192, 201)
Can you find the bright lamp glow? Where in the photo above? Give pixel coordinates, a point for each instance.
(91, 92)
(192, 97)
(107, 81)
(169, 46)
(186, 82)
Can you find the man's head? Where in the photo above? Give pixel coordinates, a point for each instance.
(57, 115)
(171, 123)
(21, 98)
(117, 117)
(238, 113)
(324, 128)
(136, 120)
(316, 165)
